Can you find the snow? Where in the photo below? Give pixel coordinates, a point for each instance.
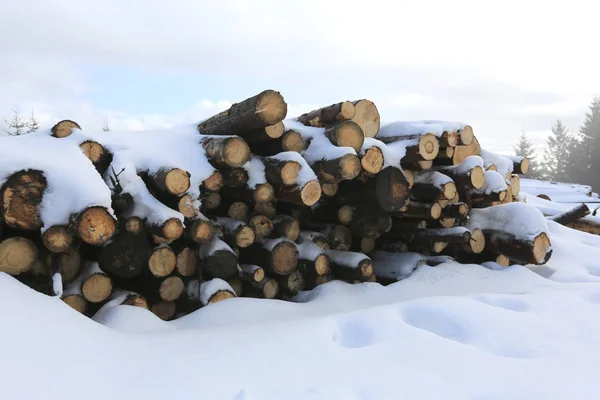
(271, 243)
(306, 173)
(320, 148)
(519, 219)
(493, 183)
(434, 178)
(467, 165)
(228, 223)
(450, 332)
(256, 172)
(560, 192)
(249, 269)
(57, 284)
(346, 258)
(503, 164)
(406, 128)
(392, 153)
(209, 288)
(212, 247)
(73, 183)
(307, 250)
(397, 265)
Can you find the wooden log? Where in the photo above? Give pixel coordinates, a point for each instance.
(251, 273)
(262, 193)
(570, 215)
(121, 202)
(224, 151)
(267, 288)
(234, 177)
(68, 264)
(276, 256)
(57, 238)
(367, 117)
(281, 172)
(312, 260)
(291, 140)
(515, 183)
(338, 169)
(520, 165)
(174, 181)
(391, 245)
(467, 175)
(219, 260)
(363, 244)
(64, 128)
(200, 230)
(535, 251)
(127, 298)
(234, 232)
(417, 165)
(291, 284)
(417, 147)
(370, 223)
(389, 189)
(346, 134)
(21, 199)
(317, 238)
(262, 226)
(237, 286)
(350, 265)
(214, 291)
(465, 135)
(432, 186)
(264, 134)
(425, 211)
(96, 285)
(461, 152)
(187, 261)
(456, 210)
(97, 154)
(371, 159)
(162, 261)
(285, 226)
(259, 111)
(329, 189)
(494, 189)
(164, 310)
(94, 225)
(214, 182)
(73, 297)
(17, 255)
(325, 116)
(339, 237)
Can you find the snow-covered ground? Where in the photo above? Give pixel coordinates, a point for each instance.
(447, 332)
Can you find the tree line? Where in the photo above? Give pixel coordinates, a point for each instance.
(20, 125)
(567, 156)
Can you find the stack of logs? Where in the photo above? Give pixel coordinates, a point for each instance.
(337, 187)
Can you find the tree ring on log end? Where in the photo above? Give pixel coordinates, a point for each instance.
(466, 135)
(164, 310)
(97, 288)
(284, 258)
(349, 166)
(310, 193)
(367, 244)
(263, 193)
(96, 226)
(177, 181)
(477, 241)
(275, 131)
(261, 225)
(438, 247)
(525, 166)
(57, 239)
(292, 141)
(64, 128)
(187, 261)
(135, 300)
(449, 190)
(372, 161)
(22, 194)
(345, 214)
(17, 255)
(366, 269)
(162, 262)
(214, 182)
(93, 151)
(367, 117)
(477, 177)
(171, 288)
(429, 146)
(541, 244)
(220, 296)
(236, 152)
(289, 173)
(245, 237)
(271, 107)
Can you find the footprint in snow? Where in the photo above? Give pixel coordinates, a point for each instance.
(353, 334)
(503, 301)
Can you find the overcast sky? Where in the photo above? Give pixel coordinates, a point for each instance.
(502, 67)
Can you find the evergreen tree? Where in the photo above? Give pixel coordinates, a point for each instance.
(556, 154)
(525, 148)
(33, 124)
(17, 125)
(585, 149)
(105, 126)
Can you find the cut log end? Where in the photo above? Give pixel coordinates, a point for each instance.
(289, 173)
(172, 229)
(329, 189)
(21, 196)
(96, 226)
(466, 135)
(372, 161)
(245, 237)
(477, 177)
(212, 201)
(292, 141)
(271, 107)
(97, 288)
(346, 134)
(438, 247)
(134, 225)
(436, 211)
(64, 128)
(220, 296)
(187, 262)
(171, 288)
(186, 206)
(17, 255)
(284, 258)
(367, 117)
(310, 193)
(201, 231)
(238, 210)
(429, 146)
(176, 181)
(262, 226)
(164, 310)
(349, 166)
(162, 262)
(236, 152)
(449, 190)
(515, 183)
(214, 182)
(477, 241)
(270, 289)
(541, 244)
(92, 150)
(57, 239)
(503, 260)
(366, 268)
(263, 193)
(345, 214)
(322, 265)
(76, 302)
(275, 131)
(367, 244)
(135, 300)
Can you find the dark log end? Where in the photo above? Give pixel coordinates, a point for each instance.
(329, 189)
(214, 182)
(284, 258)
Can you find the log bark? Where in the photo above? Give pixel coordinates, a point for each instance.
(535, 251)
(57, 238)
(291, 284)
(234, 177)
(305, 195)
(324, 116)
(416, 165)
(285, 226)
(94, 225)
(219, 260)
(267, 288)
(389, 189)
(97, 154)
(432, 186)
(571, 215)
(251, 273)
(228, 151)
(64, 128)
(312, 260)
(520, 165)
(417, 147)
(456, 210)
(262, 193)
(173, 181)
(339, 237)
(164, 310)
(370, 223)
(276, 256)
(350, 265)
(259, 111)
(214, 291)
(269, 210)
(317, 238)
(21, 198)
(425, 211)
(234, 232)
(585, 225)
(289, 141)
(337, 170)
(17, 255)
(465, 176)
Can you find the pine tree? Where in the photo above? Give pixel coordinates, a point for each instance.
(556, 154)
(585, 149)
(525, 148)
(33, 124)
(17, 125)
(105, 126)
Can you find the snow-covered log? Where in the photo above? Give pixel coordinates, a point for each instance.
(95, 225)
(431, 186)
(219, 259)
(466, 175)
(362, 112)
(126, 255)
(294, 180)
(520, 164)
(234, 232)
(231, 151)
(267, 288)
(173, 181)
(312, 260)
(571, 215)
(64, 128)
(517, 230)
(339, 237)
(285, 226)
(251, 273)
(415, 147)
(329, 189)
(494, 189)
(350, 265)
(215, 290)
(318, 238)
(390, 267)
(259, 111)
(276, 256)
(265, 134)
(370, 222)
(447, 132)
(389, 190)
(502, 164)
(456, 210)
(22, 195)
(419, 210)
(17, 255)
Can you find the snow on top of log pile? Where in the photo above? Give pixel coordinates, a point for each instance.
(402, 128)
(256, 172)
(392, 152)
(72, 181)
(518, 219)
(306, 173)
(493, 183)
(347, 258)
(209, 288)
(434, 178)
(399, 265)
(503, 164)
(560, 192)
(320, 148)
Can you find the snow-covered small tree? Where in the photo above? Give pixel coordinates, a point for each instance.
(32, 124)
(525, 148)
(556, 154)
(17, 125)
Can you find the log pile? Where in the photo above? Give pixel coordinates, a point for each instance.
(256, 204)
